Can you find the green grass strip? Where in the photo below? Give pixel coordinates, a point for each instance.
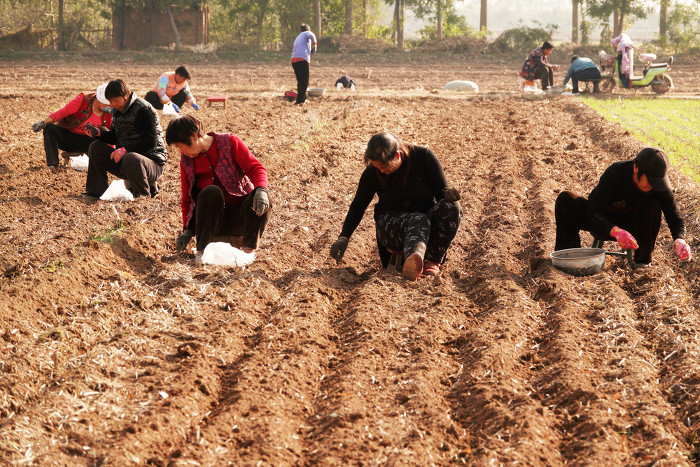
(670, 124)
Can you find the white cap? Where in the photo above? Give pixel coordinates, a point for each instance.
(100, 93)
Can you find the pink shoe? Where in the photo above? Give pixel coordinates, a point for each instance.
(412, 267)
(431, 268)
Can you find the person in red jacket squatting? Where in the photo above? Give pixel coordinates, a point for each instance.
(65, 128)
(224, 187)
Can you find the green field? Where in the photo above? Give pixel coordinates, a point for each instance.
(670, 124)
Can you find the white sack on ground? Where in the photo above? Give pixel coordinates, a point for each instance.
(468, 86)
(223, 254)
(80, 163)
(168, 109)
(117, 192)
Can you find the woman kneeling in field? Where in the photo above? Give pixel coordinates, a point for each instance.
(416, 213)
(224, 187)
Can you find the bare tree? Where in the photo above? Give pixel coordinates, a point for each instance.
(176, 33)
(348, 18)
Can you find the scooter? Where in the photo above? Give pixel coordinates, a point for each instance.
(654, 74)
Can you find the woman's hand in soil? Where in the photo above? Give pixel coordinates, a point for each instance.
(260, 201)
(183, 239)
(338, 248)
(624, 238)
(683, 250)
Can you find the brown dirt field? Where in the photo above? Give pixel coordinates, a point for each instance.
(127, 353)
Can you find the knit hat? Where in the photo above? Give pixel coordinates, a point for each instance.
(653, 163)
(100, 93)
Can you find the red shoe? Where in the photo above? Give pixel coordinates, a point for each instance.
(431, 268)
(412, 267)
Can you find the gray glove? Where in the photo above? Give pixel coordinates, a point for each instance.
(183, 239)
(338, 248)
(452, 195)
(38, 126)
(260, 201)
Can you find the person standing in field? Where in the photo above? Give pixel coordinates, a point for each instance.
(303, 50)
(172, 87)
(64, 129)
(626, 205)
(416, 214)
(136, 134)
(537, 66)
(224, 187)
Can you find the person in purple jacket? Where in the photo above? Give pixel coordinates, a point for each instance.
(304, 48)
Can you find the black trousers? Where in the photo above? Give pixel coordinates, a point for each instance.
(403, 231)
(584, 75)
(301, 71)
(57, 138)
(141, 172)
(643, 222)
(213, 217)
(545, 75)
(178, 99)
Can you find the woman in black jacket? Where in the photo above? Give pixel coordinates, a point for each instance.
(416, 213)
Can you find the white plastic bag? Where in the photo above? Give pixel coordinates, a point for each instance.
(468, 86)
(223, 254)
(80, 163)
(117, 192)
(168, 109)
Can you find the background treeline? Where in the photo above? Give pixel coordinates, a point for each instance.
(341, 25)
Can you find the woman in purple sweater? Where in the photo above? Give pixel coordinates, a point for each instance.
(416, 213)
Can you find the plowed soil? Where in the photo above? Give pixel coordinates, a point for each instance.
(116, 350)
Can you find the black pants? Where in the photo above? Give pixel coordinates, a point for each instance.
(56, 137)
(643, 222)
(584, 75)
(301, 71)
(178, 99)
(402, 231)
(545, 75)
(141, 172)
(214, 217)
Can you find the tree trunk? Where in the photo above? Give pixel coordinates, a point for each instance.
(61, 31)
(617, 29)
(348, 18)
(364, 18)
(122, 25)
(176, 33)
(317, 18)
(663, 20)
(399, 29)
(574, 22)
(395, 32)
(484, 15)
(439, 19)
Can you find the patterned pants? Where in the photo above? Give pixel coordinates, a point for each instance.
(403, 231)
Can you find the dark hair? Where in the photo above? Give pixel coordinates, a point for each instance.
(304, 27)
(116, 88)
(547, 45)
(183, 129)
(574, 58)
(383, 146)
(183, 71)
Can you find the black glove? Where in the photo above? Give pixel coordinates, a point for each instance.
(338, 248)
(91, 130)
(452, 195)
(183, 239)
(38, 126)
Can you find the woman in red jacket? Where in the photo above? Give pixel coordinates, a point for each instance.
(65, 128)
(224, 187)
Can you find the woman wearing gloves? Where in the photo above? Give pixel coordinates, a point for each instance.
(626, 205)
(172, 88)
(416, 213)
(224, 187)
(65, 128)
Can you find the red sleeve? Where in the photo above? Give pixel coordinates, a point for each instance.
(70, 108)
(248, 162)
(185, 199)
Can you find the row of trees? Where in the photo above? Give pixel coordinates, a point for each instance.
(270, 24)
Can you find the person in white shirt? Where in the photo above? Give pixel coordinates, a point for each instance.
(304, 48)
